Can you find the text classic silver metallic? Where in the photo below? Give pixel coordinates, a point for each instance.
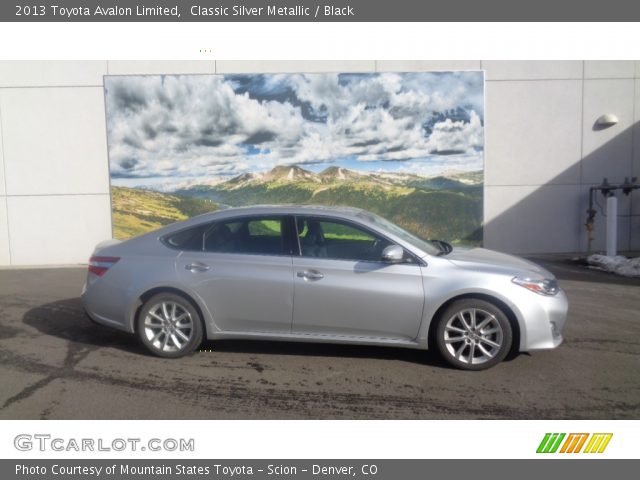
(321, 274)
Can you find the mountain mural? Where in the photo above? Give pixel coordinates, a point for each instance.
(408, 146)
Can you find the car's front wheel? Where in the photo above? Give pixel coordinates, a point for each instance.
(473, 334)
(169, 326)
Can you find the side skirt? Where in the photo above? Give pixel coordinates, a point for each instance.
(318, 338)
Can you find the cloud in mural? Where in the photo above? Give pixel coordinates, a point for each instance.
(215, 126)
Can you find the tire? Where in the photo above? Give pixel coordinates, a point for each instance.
(459, 340)
(161, 333)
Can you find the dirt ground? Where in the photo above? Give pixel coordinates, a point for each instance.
(55, 363)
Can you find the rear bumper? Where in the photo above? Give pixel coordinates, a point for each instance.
(104, 321)
(103, 305)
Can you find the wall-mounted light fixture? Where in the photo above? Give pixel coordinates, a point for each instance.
(607, 120)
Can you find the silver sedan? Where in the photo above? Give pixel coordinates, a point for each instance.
(321, 274)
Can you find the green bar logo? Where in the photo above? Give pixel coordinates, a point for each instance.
(574, 443)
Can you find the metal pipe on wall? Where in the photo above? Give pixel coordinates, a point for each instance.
(607, 190)
(612, 226)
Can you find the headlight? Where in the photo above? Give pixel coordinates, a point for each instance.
(543, 286)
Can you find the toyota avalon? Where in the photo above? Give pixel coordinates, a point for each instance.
(321, 274)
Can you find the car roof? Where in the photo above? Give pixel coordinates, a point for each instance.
(341, 211)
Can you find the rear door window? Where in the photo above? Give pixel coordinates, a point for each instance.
(250, 235)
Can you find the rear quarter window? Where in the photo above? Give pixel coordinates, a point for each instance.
(189, 239)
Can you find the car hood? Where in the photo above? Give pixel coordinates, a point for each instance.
(483, 259)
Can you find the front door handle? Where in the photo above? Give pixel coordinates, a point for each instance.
(310, 275)
(197, 267)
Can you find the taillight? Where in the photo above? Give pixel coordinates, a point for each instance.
(100, 265)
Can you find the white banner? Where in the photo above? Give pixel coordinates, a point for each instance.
(223, 439)
(319, 41)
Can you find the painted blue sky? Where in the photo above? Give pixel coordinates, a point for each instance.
(166, 131)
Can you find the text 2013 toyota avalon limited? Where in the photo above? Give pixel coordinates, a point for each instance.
(321, 274)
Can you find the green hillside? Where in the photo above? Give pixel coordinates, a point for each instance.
(137, 211)
(447, 208)
(444, 207)
(451, 216)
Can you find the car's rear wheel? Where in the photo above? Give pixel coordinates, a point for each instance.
(473, 334)
(169, 325)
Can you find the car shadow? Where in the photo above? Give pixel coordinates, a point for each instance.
(67, 320)
(308, 349)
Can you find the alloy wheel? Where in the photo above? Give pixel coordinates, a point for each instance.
(473, 336)
(168, 326)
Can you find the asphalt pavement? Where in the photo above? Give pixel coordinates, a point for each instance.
(56, 364)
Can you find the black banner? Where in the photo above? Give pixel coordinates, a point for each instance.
(316, 11)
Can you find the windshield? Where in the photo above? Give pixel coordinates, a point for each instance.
(424, 245)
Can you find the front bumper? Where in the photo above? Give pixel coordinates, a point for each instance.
(544, 321)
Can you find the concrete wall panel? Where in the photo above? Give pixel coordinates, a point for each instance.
(54, 140)
(5, 258)
(154, 67)
(51, 73)
(426, 65)
(532, 70)
(607, 152)
(532, 219)
(57, 229)
(3, 191)
(609, 69)
(533, 132)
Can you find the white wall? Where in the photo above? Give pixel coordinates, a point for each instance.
(54, 162)
(542, 152)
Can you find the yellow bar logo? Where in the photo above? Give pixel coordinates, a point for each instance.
(574, 443)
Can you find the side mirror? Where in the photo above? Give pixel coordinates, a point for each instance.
(393, 254)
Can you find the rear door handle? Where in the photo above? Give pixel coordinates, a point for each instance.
(310, 275)
(197, 267)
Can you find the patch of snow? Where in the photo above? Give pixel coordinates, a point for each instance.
(626, 267)
(290, 174)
